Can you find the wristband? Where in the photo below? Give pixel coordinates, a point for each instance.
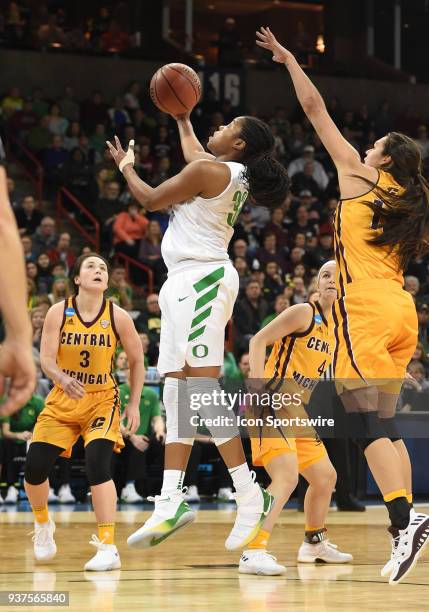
(129, 157)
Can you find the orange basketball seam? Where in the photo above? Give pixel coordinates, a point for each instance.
(172, 89)
(197, 90)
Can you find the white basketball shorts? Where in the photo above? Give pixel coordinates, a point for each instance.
(196, 305)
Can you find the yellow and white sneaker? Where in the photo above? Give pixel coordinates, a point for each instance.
(105, 559)
(252, 509)
(45, 548)
(261, 563)
(170, 514)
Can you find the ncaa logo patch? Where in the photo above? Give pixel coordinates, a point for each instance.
(318, 319)
(104, 323)
(70, 312)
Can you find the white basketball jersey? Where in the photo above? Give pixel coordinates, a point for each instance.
(200, 229)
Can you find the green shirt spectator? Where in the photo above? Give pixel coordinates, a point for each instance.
(25, 419)
(149, 407)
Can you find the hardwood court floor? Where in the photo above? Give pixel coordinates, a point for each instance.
(193, 571)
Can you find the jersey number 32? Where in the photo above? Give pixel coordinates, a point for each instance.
(238, 199)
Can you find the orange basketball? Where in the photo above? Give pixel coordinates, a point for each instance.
(175, 89)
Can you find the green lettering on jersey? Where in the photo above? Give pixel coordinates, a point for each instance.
(238, 199)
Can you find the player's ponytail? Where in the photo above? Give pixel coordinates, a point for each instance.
(267, 179)
(404, 216)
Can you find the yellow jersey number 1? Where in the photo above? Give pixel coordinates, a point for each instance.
(238, 199)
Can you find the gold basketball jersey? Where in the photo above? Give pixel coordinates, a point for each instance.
(87, 349)
(355, 223)
(298, 360)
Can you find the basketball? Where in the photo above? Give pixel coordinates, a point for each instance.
(175, 89)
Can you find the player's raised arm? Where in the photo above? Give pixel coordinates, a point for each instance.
(295, 319)
(130, 341)
(191, 146)
(205, 177)
(16, 356)
(342, 153)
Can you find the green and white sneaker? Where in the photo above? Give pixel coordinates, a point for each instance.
(170, 514)
(252, 510)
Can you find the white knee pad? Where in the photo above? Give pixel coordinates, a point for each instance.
(177, 411)
(199, 387)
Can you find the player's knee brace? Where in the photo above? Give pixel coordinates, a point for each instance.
(215, 412)
(391, 429)
(179, 417)
(39, 462)
(365, 428)
(98, 459)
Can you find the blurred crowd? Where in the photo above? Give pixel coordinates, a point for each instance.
(32, 24)
(276, 252)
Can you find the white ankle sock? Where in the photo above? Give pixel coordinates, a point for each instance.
(242, 478)
(172, 482)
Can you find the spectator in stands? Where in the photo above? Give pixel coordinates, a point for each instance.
(44, 277)
(273, 282)
(50, 33)
(63, 253)
(300, 293)
(412, 285)
(132, 96)
(249, 312)
(242, 268)
(11, 185)
(94, 111)
(121, 367)
(383, 119)
(28, 217)
(145, 447)
(150, 252)
(163, 172)
(415, 390)
(271, 252)
(39, 137)
(129, 228)
(115, 40)
(17, 431)
(23, 121)
(57, 123)
(37, 318)
(423, 320)
(422, 357)
(276, 226)
(280, 304)
(149, 321)
(118, 115)
(246, 229)
(77, 175)
(319, 174)
(12, 102)
(119, 289)
(162, 146)
(45, 237)
(97, 140)
(27, 245)
(54, 158)
(423, 140)
(325, 249)
(69, 106)
(32, 271)
(60, 289)
(229, 44)
(304, 183)
(71, 138)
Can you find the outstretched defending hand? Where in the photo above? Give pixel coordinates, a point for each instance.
(267, 40)
(121, 157)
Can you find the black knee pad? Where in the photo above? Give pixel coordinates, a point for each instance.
(98, 460)
(39, 461)
(365, 428)
(391, 429)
